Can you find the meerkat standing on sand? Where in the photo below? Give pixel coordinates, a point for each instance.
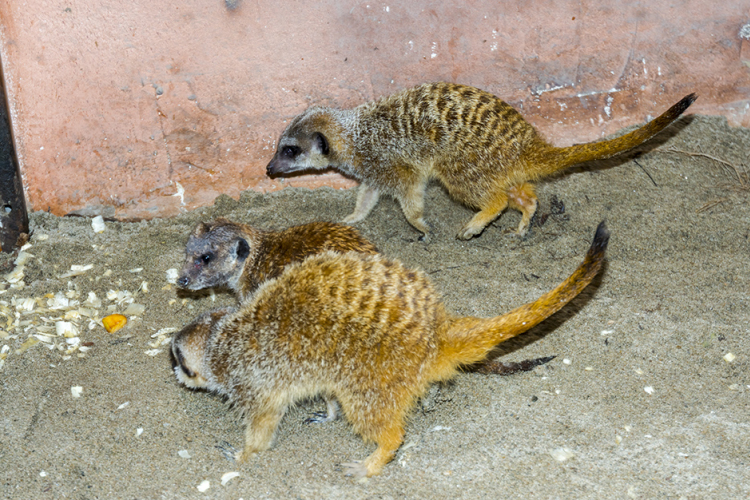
(358, 327)
(241, 257)
(480, 148)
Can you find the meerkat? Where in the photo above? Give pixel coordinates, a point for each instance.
(362, 328)
(241, 257)
(480, 148)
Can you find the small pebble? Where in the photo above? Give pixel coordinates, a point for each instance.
(729, 357)
(204, 486)
(649, 389)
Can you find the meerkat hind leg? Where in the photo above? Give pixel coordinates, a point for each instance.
(412, 204)
(523, 198)
(367, 198)
(487, 214)
(388, 443)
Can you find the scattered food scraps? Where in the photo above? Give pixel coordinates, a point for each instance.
(172, 275)
(228, 477)
(562, 454)
(114, 322)
(97, 224)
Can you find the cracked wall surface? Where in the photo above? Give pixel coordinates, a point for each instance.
(147, 109)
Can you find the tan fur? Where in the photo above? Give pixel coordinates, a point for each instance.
(480, 148)
(362, 328)
(241, 257)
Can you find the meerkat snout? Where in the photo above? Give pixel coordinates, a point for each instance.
(215, 256)
(302, 148)
(188, 350)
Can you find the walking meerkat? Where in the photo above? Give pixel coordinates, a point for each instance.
(480, 148)
(241, 257)
(362, 328)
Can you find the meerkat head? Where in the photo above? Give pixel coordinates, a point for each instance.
(189, 347)
(308, 143)
(216, 253)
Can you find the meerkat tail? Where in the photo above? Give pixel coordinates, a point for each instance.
(562, 158)
(468, 339)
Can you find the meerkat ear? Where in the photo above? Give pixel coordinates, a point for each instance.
(201, 229)
(321, 143)
(242, 249)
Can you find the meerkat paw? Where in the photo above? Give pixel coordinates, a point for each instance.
(356, 469)
(352, 218)
(230, 452)
(468, 232)
(320, 417)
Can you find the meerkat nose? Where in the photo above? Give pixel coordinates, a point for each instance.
(184, 281)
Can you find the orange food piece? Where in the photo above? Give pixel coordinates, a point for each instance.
(114, 322)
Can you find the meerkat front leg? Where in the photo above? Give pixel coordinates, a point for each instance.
(523, 198)
(487, 214)
(367, 198)
(259, 433)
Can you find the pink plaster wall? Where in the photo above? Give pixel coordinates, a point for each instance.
(115, 105)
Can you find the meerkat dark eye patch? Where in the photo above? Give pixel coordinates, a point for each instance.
(179, 360)
(206, 258)
(243, 249)
(321, 142)
(291, 151)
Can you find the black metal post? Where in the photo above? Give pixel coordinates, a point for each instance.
(14, 220)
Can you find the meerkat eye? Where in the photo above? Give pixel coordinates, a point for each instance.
(290, 151)
(206, 258)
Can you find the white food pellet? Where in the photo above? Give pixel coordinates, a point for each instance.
(228, 477)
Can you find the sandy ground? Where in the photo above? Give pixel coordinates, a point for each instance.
(640, 401)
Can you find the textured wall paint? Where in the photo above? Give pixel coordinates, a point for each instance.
(144, 108)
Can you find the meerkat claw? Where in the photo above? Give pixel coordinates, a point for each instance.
(229, 451)
(320, 417)
(356, 469)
